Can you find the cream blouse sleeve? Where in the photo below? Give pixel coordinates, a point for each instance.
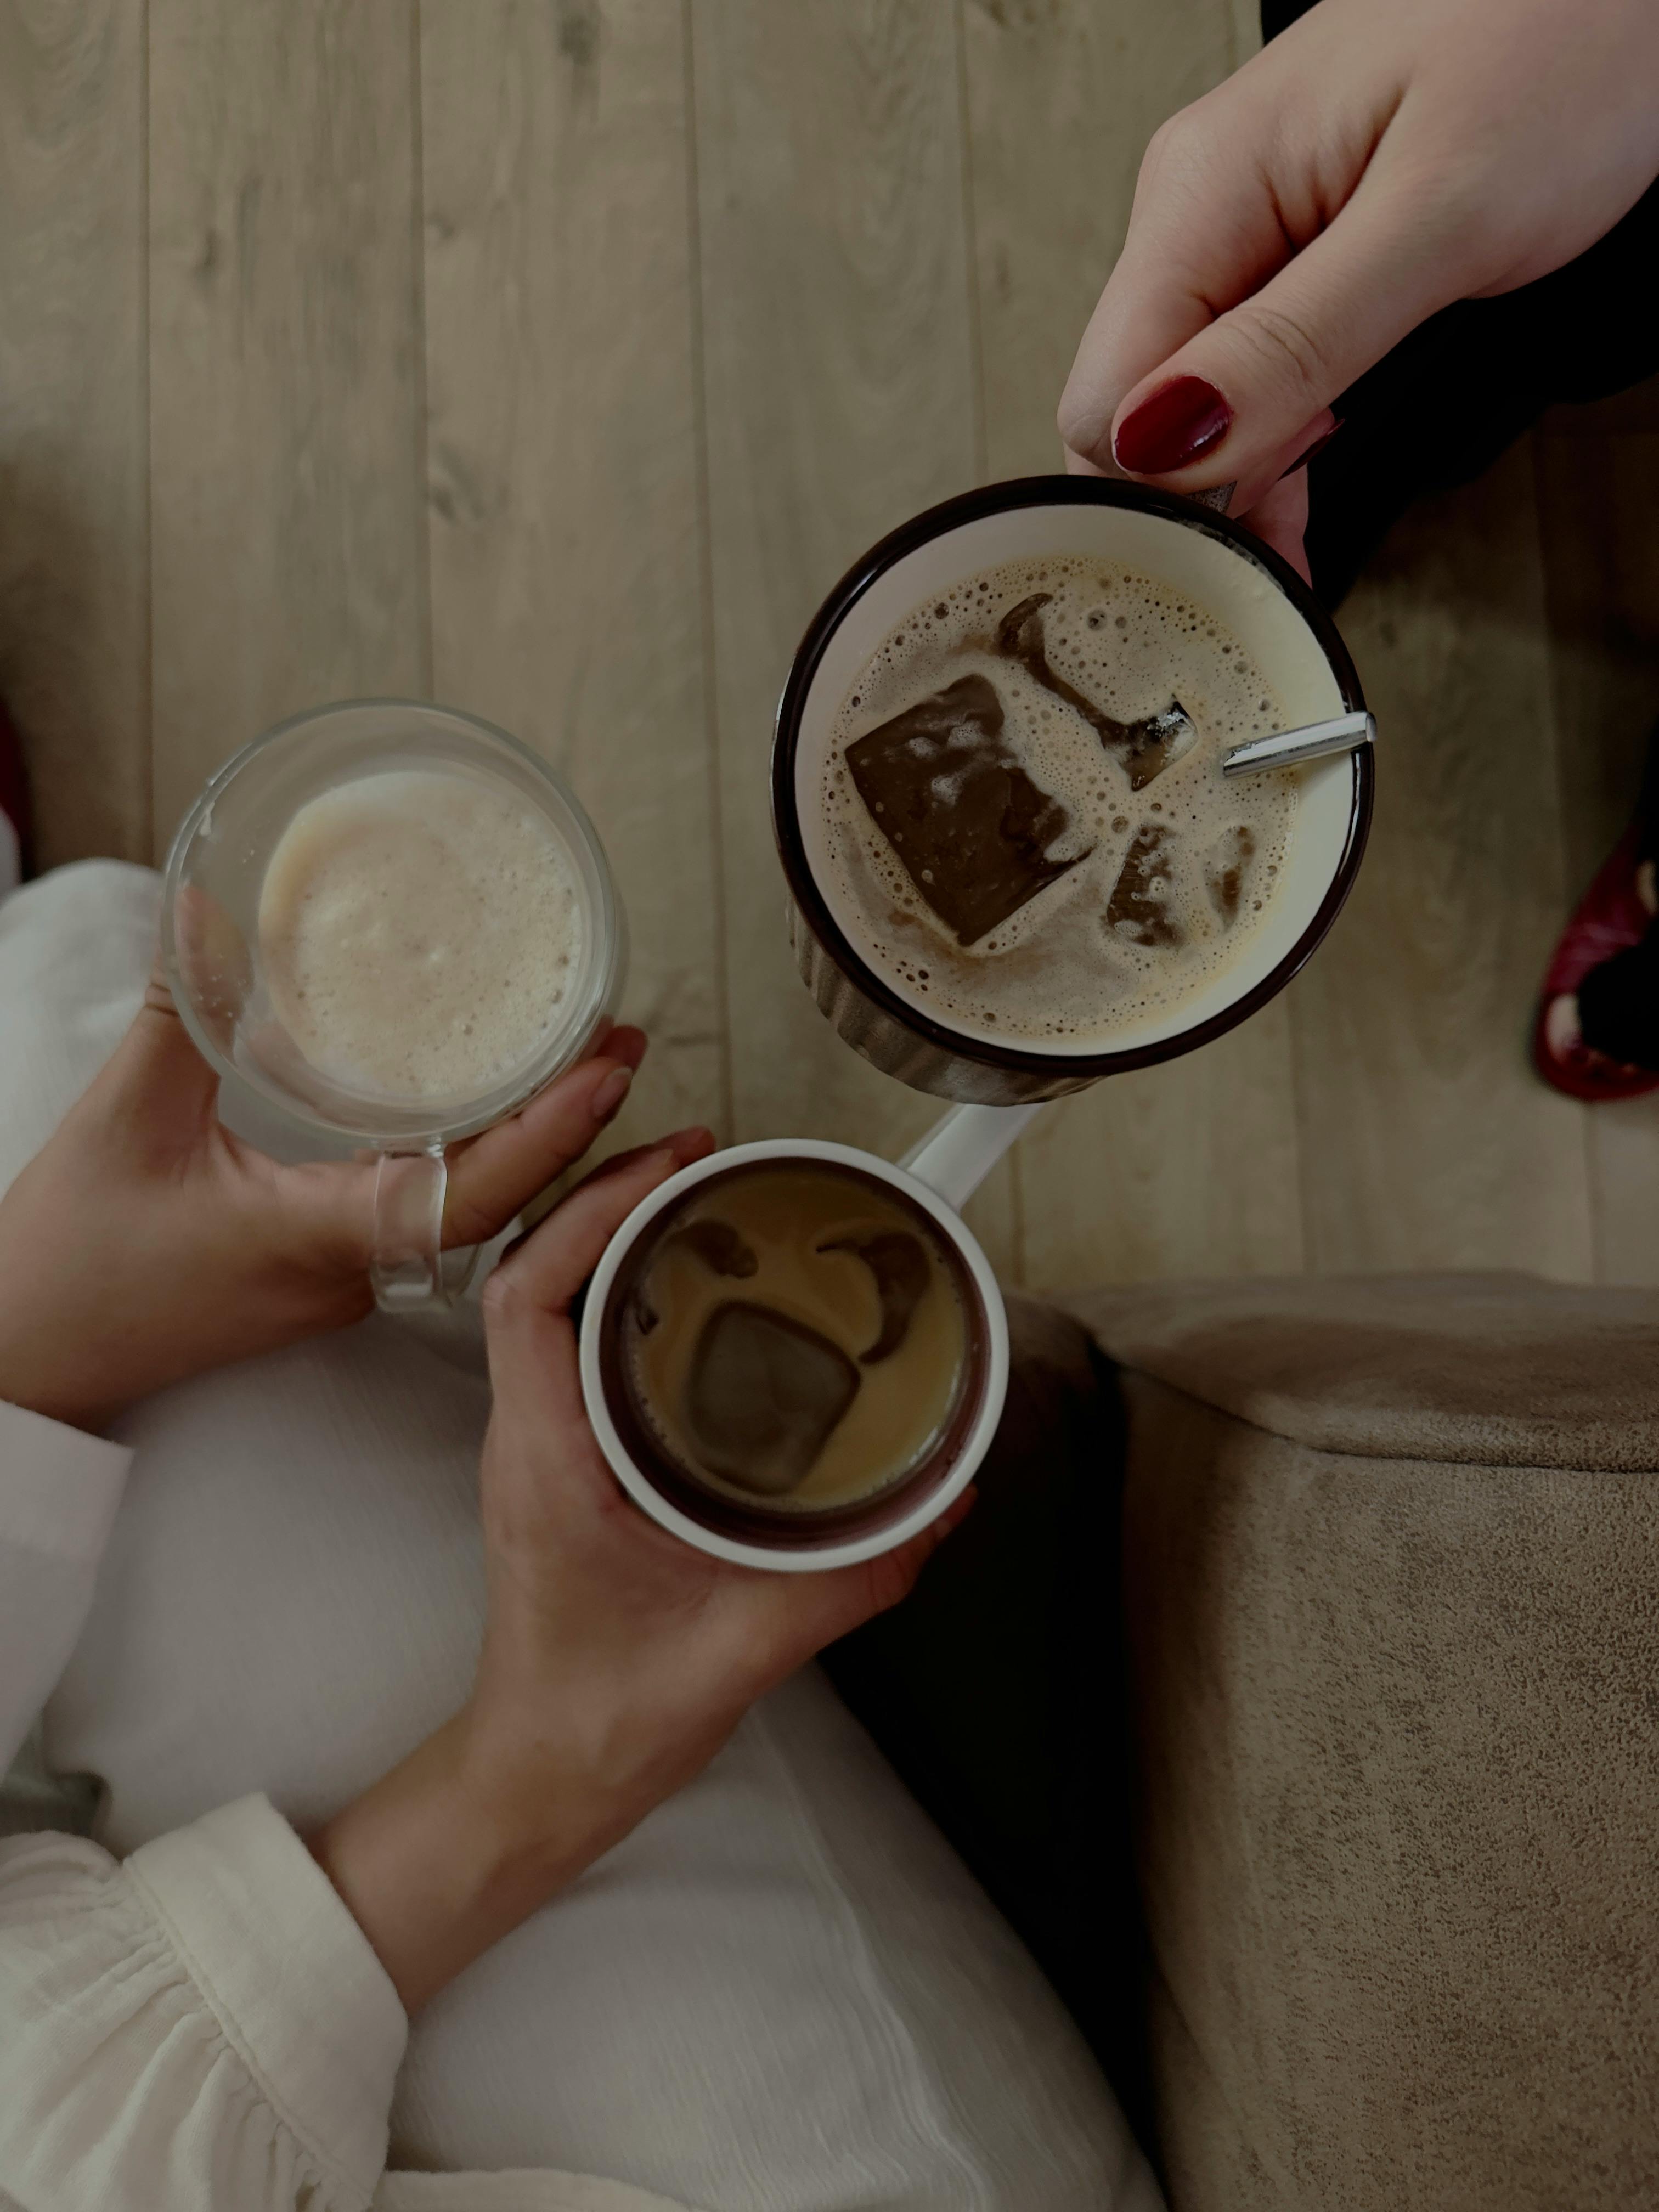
(202, 2026)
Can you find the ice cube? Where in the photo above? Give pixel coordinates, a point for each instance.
(1142, 749)
(1225, 866)
(972, 832)
(1141, 907)
(764, 1397)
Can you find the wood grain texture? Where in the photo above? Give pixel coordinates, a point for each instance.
(567, 575)
(1189, 1169)
(1426, 1141)
(708, 296)
(286, 521)
(1598, 491)
(1246, 30)
(1062, 97)
(840, 398)
(74, 553)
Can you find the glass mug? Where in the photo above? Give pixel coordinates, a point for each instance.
(211, 945)
(1179, 544)
(938, 1178)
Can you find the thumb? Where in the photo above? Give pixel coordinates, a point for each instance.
(1242, 398)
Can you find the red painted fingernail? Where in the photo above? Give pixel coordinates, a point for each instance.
(1314, 451)
(1172, 426)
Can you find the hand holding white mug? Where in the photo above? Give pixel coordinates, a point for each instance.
(1372, 165)
(616, 1660)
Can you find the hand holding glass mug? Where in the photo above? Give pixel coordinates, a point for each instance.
(392, 923)
(146, 1243)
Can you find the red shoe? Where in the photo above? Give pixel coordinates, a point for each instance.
(1609, 919)
(14, 802)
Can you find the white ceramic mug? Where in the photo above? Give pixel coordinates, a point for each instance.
(936, 1177)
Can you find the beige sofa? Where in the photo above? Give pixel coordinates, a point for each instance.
(1332, 1609)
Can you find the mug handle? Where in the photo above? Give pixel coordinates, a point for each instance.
(410, 1270)
(961, 1150)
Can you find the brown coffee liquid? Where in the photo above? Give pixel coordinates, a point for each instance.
(1027, 821)
(795, 1337)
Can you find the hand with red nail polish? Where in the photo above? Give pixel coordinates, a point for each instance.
(1371, 165)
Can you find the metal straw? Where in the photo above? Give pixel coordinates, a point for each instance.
(1345, 733)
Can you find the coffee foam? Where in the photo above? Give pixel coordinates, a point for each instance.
(1055, 969)
(420, 931)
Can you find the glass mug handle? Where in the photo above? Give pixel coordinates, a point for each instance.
(410, 1270)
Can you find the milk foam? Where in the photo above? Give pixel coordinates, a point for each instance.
(420, 932)
(1056, 969)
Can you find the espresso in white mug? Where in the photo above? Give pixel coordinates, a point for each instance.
(796, 1333)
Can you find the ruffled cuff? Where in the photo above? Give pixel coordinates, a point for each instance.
(290, 1977)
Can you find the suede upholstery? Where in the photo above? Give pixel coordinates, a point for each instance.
(1391, 1575)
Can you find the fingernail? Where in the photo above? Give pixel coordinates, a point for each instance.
(1317, 448)
(1171, 427)
(612, 1092)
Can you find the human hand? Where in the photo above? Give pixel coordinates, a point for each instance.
(1368, 168)
(616, 1660)
(145, 1243)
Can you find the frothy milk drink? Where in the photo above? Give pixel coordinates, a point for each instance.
(420, 930)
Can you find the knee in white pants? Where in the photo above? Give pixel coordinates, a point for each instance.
(75, 949)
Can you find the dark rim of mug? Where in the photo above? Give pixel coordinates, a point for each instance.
(936, 522)
(782, 1529)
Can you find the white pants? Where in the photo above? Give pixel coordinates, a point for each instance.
(781, 1994)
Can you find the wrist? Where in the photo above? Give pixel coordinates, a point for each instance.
(453, 1850)
(39, 1376)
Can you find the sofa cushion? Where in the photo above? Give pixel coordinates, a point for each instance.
(1391, 1585)
(1493, 1370)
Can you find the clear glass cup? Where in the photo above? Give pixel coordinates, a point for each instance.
(211, 943)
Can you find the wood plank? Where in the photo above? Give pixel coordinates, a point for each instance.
(1062, 97)
(289, 564)
(1597, 496)
(1246, 30)
(1636, 409)
(1190, 1169)
(1602, 563)
(1426, 1141)
(840, 397)
(74, 449)
(1185, 1169)
(566, 574)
